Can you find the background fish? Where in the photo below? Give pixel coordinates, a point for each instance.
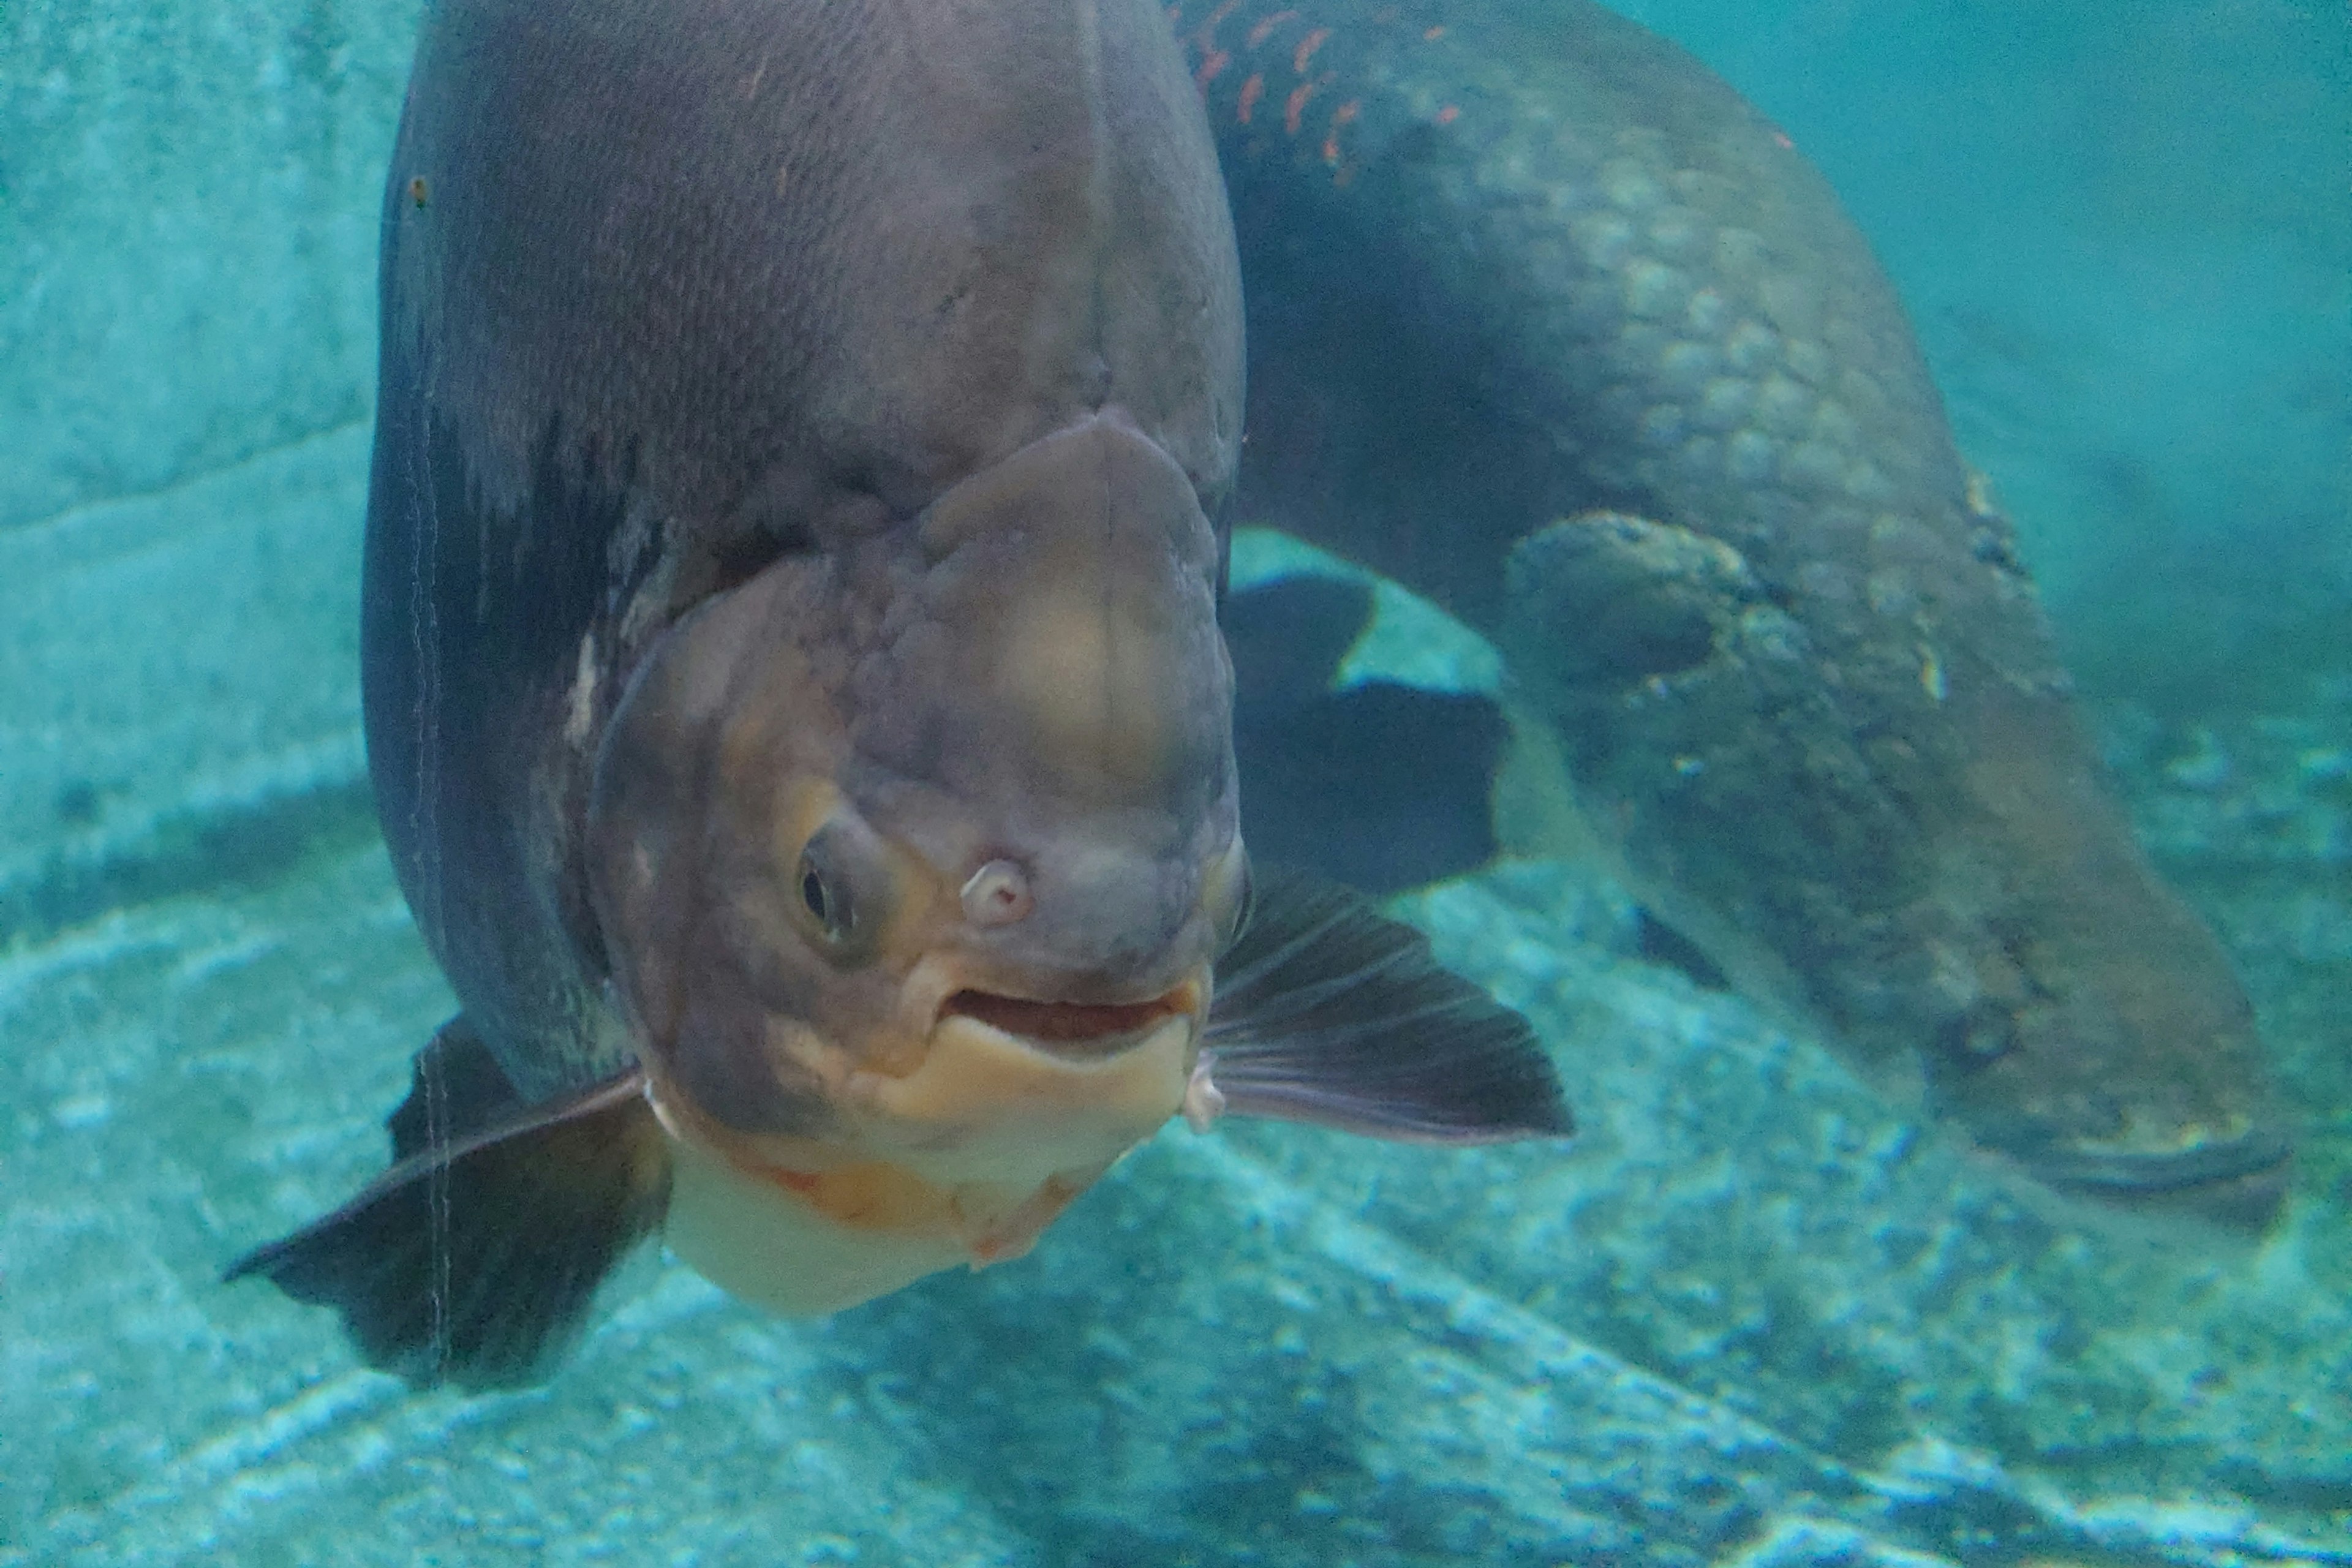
(1549, 325)
(794, 696)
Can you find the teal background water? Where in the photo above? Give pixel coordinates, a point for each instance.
(1756, 1315)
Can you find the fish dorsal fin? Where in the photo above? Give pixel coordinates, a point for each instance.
(1327, 1011)
(475, 1258)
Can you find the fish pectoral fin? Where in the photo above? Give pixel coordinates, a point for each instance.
(1382, 787)
(1604, 600)
(1327, 1011)
(475, 1258)
(1288, 636)
(456, 1089)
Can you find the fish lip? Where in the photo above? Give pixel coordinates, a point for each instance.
(1073, 1031)
(2241, 1182)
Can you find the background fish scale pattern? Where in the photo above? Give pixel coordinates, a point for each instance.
(1758, 1316)
(1754, 402)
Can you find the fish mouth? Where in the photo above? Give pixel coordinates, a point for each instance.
(2240, 1183)
(1074, 1031)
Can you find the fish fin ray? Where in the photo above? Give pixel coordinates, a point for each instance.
(1340, 1016)
(475, 1258)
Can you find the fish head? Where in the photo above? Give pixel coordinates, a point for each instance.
(2082, 1023)
(911, 856)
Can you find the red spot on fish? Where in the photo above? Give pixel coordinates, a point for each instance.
(1175, 14)
(1264, 29)
(1340, 117)
(1216, 60)
(1449, 114)
(1307, 48)
(1252, 91)
(1432, 35)
(1783, 138)
(804, 1183)
(1296, 107)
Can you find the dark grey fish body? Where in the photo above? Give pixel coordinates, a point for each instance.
(1548, 323)
(671, 291)
(794, 693)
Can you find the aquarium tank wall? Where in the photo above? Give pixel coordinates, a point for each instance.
(1773, 1304)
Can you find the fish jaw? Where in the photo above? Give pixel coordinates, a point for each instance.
(966, 1158)
(2234, 1184)
(762, 1242)
(2098, 1037)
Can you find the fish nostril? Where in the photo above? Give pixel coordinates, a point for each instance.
(997, 895)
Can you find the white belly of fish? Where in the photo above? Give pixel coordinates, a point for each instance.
(965, 1160)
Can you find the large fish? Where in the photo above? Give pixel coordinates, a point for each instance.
(1546, 324)
(794, 689)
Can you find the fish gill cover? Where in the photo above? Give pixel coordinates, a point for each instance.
(1763, 1311)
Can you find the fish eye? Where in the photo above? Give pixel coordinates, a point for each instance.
(829, 908)
(1229, 895)
(842, 885)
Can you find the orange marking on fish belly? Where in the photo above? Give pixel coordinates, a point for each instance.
(1307, 48)
(1215, 61)
(1252, 91)
(805, 1183)
(1264, 29)
(870, 1196)
(1432, 35)
(1783, 138)
(1296, 107)
(1449, 114)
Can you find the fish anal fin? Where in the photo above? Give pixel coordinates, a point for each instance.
(1327, 1011)
(475, 1259)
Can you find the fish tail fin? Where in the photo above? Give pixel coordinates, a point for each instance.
(475, 1258)
(1327, 1011)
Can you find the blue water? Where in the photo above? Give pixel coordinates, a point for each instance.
(1760, 1313)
